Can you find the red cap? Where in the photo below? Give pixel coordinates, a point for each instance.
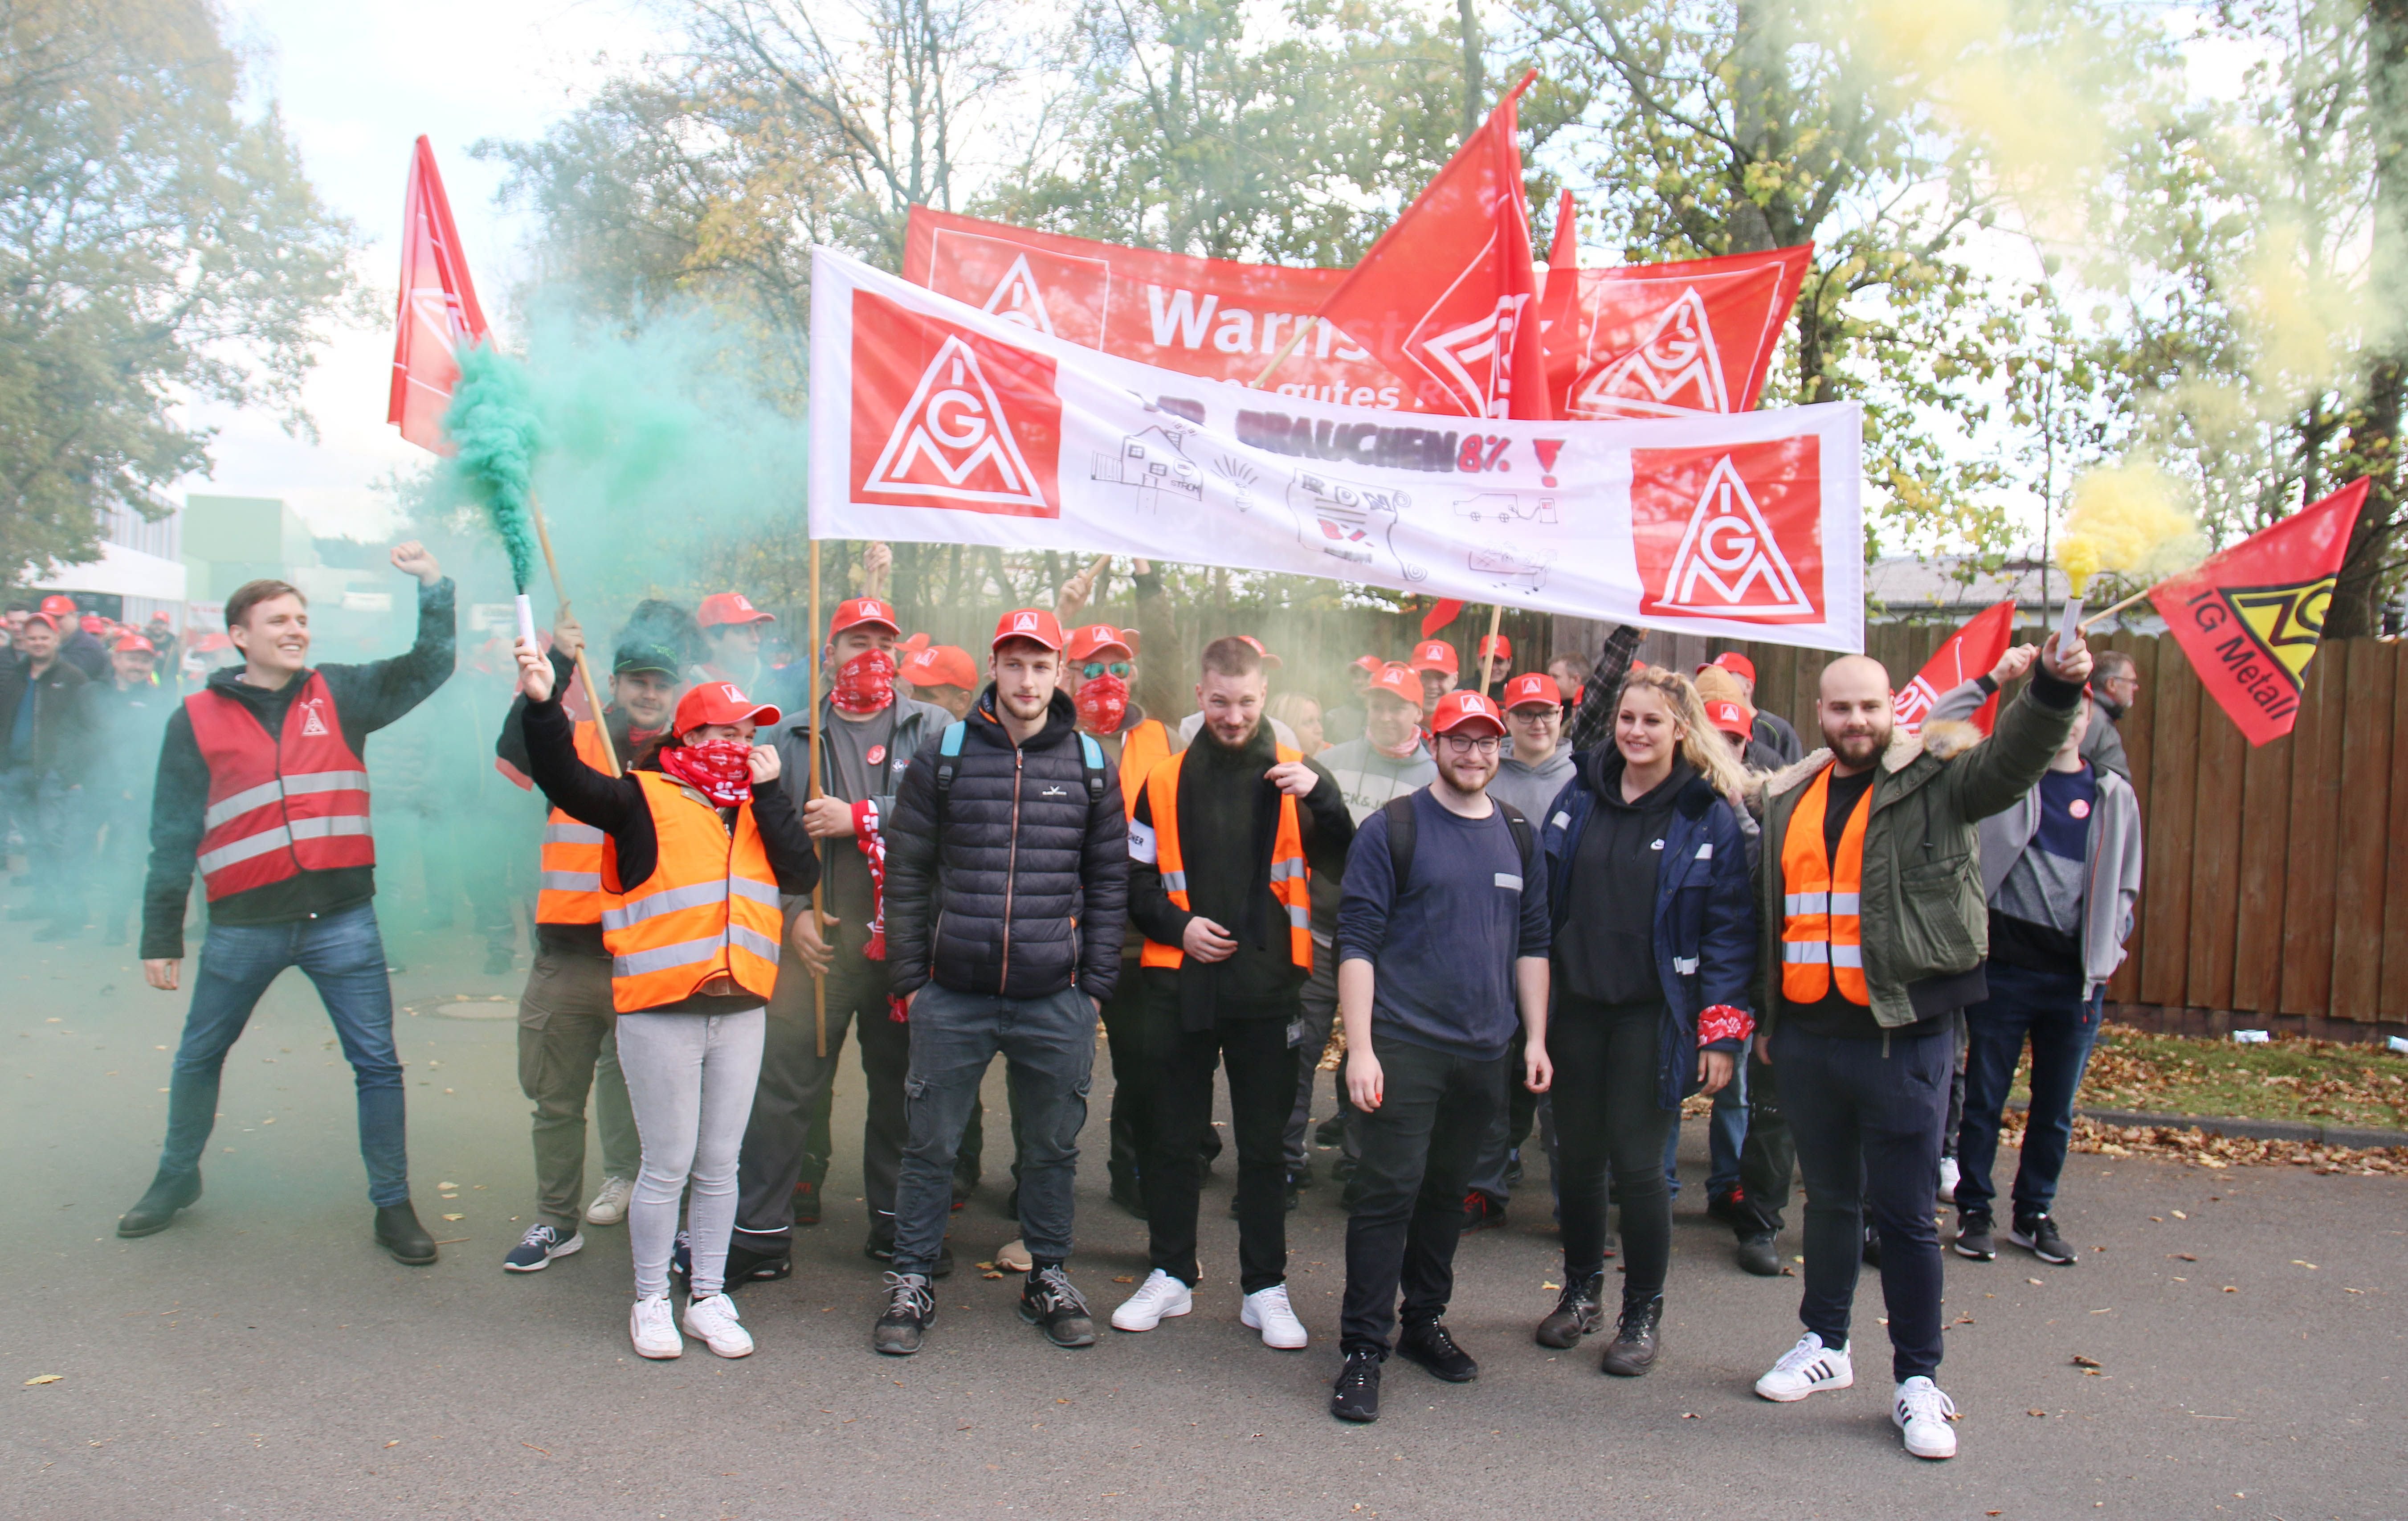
(136, 642)
(47, 621)
(1495, 644)
(1434, 654)
(59, 606)
(1035, 623)
(1094, 639)
(1397, 682)
(717, 702)
(1460, 709)
(731, 608)
(854, 612)
(1371, 664)
(1730, 718)
(1737, 664)
(1538, 686)
(1270, 659)
(941, 664)
(94, 622)
(916, 643)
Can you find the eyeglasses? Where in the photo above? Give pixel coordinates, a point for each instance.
(1095, 668)
(1467, 744)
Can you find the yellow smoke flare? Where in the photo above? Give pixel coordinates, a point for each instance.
(2128, 519)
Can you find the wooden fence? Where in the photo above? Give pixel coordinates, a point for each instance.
(2276, 894)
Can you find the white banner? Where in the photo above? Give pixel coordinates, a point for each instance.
(936, 423)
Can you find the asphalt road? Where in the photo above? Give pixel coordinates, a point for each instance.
(263, 1359)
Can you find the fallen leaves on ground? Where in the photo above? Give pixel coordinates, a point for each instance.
(2200, 1148)
(2289, 1077)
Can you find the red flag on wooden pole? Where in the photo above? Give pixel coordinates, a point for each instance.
(2252, 617)
(1448, 296)
(437, 313)
(1970, 651)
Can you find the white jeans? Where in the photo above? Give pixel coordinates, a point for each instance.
(691, 1079)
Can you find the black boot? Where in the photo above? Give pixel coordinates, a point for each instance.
(1759, 1255)
(398, 1231)
(1633, 1349)
(1575, 1316)
(156, 1211)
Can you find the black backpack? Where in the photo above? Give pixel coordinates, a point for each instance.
(1401, 830)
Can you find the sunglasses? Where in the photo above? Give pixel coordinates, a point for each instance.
(1095, 668)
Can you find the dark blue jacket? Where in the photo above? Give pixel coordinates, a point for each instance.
(1705, 909)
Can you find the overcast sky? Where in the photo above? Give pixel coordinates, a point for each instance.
(357, 85)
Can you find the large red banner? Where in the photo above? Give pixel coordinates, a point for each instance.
(1222, 321)
(1971, 651)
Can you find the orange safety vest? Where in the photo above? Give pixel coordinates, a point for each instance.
(709, 910)
(1821, 935)
(569, 890)
(1142, 749)
(1291, 878)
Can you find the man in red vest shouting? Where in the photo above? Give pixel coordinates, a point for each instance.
(262, 787)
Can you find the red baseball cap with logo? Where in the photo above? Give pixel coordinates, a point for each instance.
(59, 606)
(941, 664)
(136, 644)
(1730, 718)
(1035, 623)
(730, 608)
(1465, 711)
(1096, 639)
(94, 622)
(1434, 654)
(1270, 659)
(1495, 644)
(916, 643)
(1371, 664)
(853, 613)
(1735, 663)
(717, 702)
(1397, 682)
(1536, 687)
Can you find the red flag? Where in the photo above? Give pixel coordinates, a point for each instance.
(1448, 296)
(1446, 610)
(438, 312)
(2251, 618)
(1664, 340)
(1970, 651)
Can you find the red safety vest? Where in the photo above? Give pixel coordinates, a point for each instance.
(278, 806)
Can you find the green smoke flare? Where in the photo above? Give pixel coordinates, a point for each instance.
(492, 422)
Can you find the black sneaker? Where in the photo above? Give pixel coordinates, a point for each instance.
(2038, 1235)
(807, 1202)
(1576, 1314)
(911, 1310)
(682, 1257)
(1355, 1395)
(881, 1249)
(746, 1265)
(156, 1211)
(1329, 1132)
(1635, 1339)
(1480, 1212)
(538, 1246)
(1052, 1303)
(1430, 1345)
(1729, 1207)
(1758, 1255)
(1973, 1238)
(1514, 1168)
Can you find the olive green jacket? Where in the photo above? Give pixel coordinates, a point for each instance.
(1922, 911)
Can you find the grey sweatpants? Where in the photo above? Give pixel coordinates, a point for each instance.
(691, 1078)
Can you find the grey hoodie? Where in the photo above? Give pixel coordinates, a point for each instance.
(1531, 788)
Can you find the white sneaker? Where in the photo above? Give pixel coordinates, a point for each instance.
(609, 1206)
(1015, 1256)
(1949, 1173)
(713, 1319)
(1156, 1299)
(1806, 1369)
(1923, 1412)
(1267, 1310)
(654, 1329)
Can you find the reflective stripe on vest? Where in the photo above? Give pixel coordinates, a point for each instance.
(278, 806)
(569, 890)
(1291, 880)
(1821, 937)
(710, 908)
(1142, 749)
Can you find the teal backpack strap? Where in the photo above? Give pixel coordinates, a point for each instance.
(949, 756)
(1091, 757)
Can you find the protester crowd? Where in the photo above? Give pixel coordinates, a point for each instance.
(1503, 903)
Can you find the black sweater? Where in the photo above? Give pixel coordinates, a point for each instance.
(512, 749)
(366, 698)
(615, 805)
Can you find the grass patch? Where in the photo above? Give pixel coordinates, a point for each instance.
(2321, 1082)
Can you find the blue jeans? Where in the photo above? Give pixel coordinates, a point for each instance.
(1049, 1047)
(344, 955)
(1726, 1135)
(2049, 1009)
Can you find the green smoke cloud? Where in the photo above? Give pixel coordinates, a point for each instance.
(493, 423)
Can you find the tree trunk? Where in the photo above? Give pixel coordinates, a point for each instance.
(2375, 438)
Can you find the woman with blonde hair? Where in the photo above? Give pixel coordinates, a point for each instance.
(1654, 949)
(1301, 714)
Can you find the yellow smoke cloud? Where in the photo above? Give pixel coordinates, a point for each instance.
(2129, 519)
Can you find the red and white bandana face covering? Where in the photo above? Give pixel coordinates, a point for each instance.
(720, 770)
(864, 685)
(1102, 703)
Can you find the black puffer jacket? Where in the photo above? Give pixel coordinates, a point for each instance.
(1024, 889)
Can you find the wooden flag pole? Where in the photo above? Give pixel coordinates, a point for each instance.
(1495, 617)
(585, 672)
(819, 893)
(1296, 341)
(2105, 613)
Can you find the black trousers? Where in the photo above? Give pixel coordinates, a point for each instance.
(1769, 1157)
(1404, 1202)
(1606, 1115)
(1262, 1094)
(1125, 1044)
(793, 1090)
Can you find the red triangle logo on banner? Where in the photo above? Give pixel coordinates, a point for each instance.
(1017, 299)
(952, 439)
(1676, 371)
(1728, 561)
